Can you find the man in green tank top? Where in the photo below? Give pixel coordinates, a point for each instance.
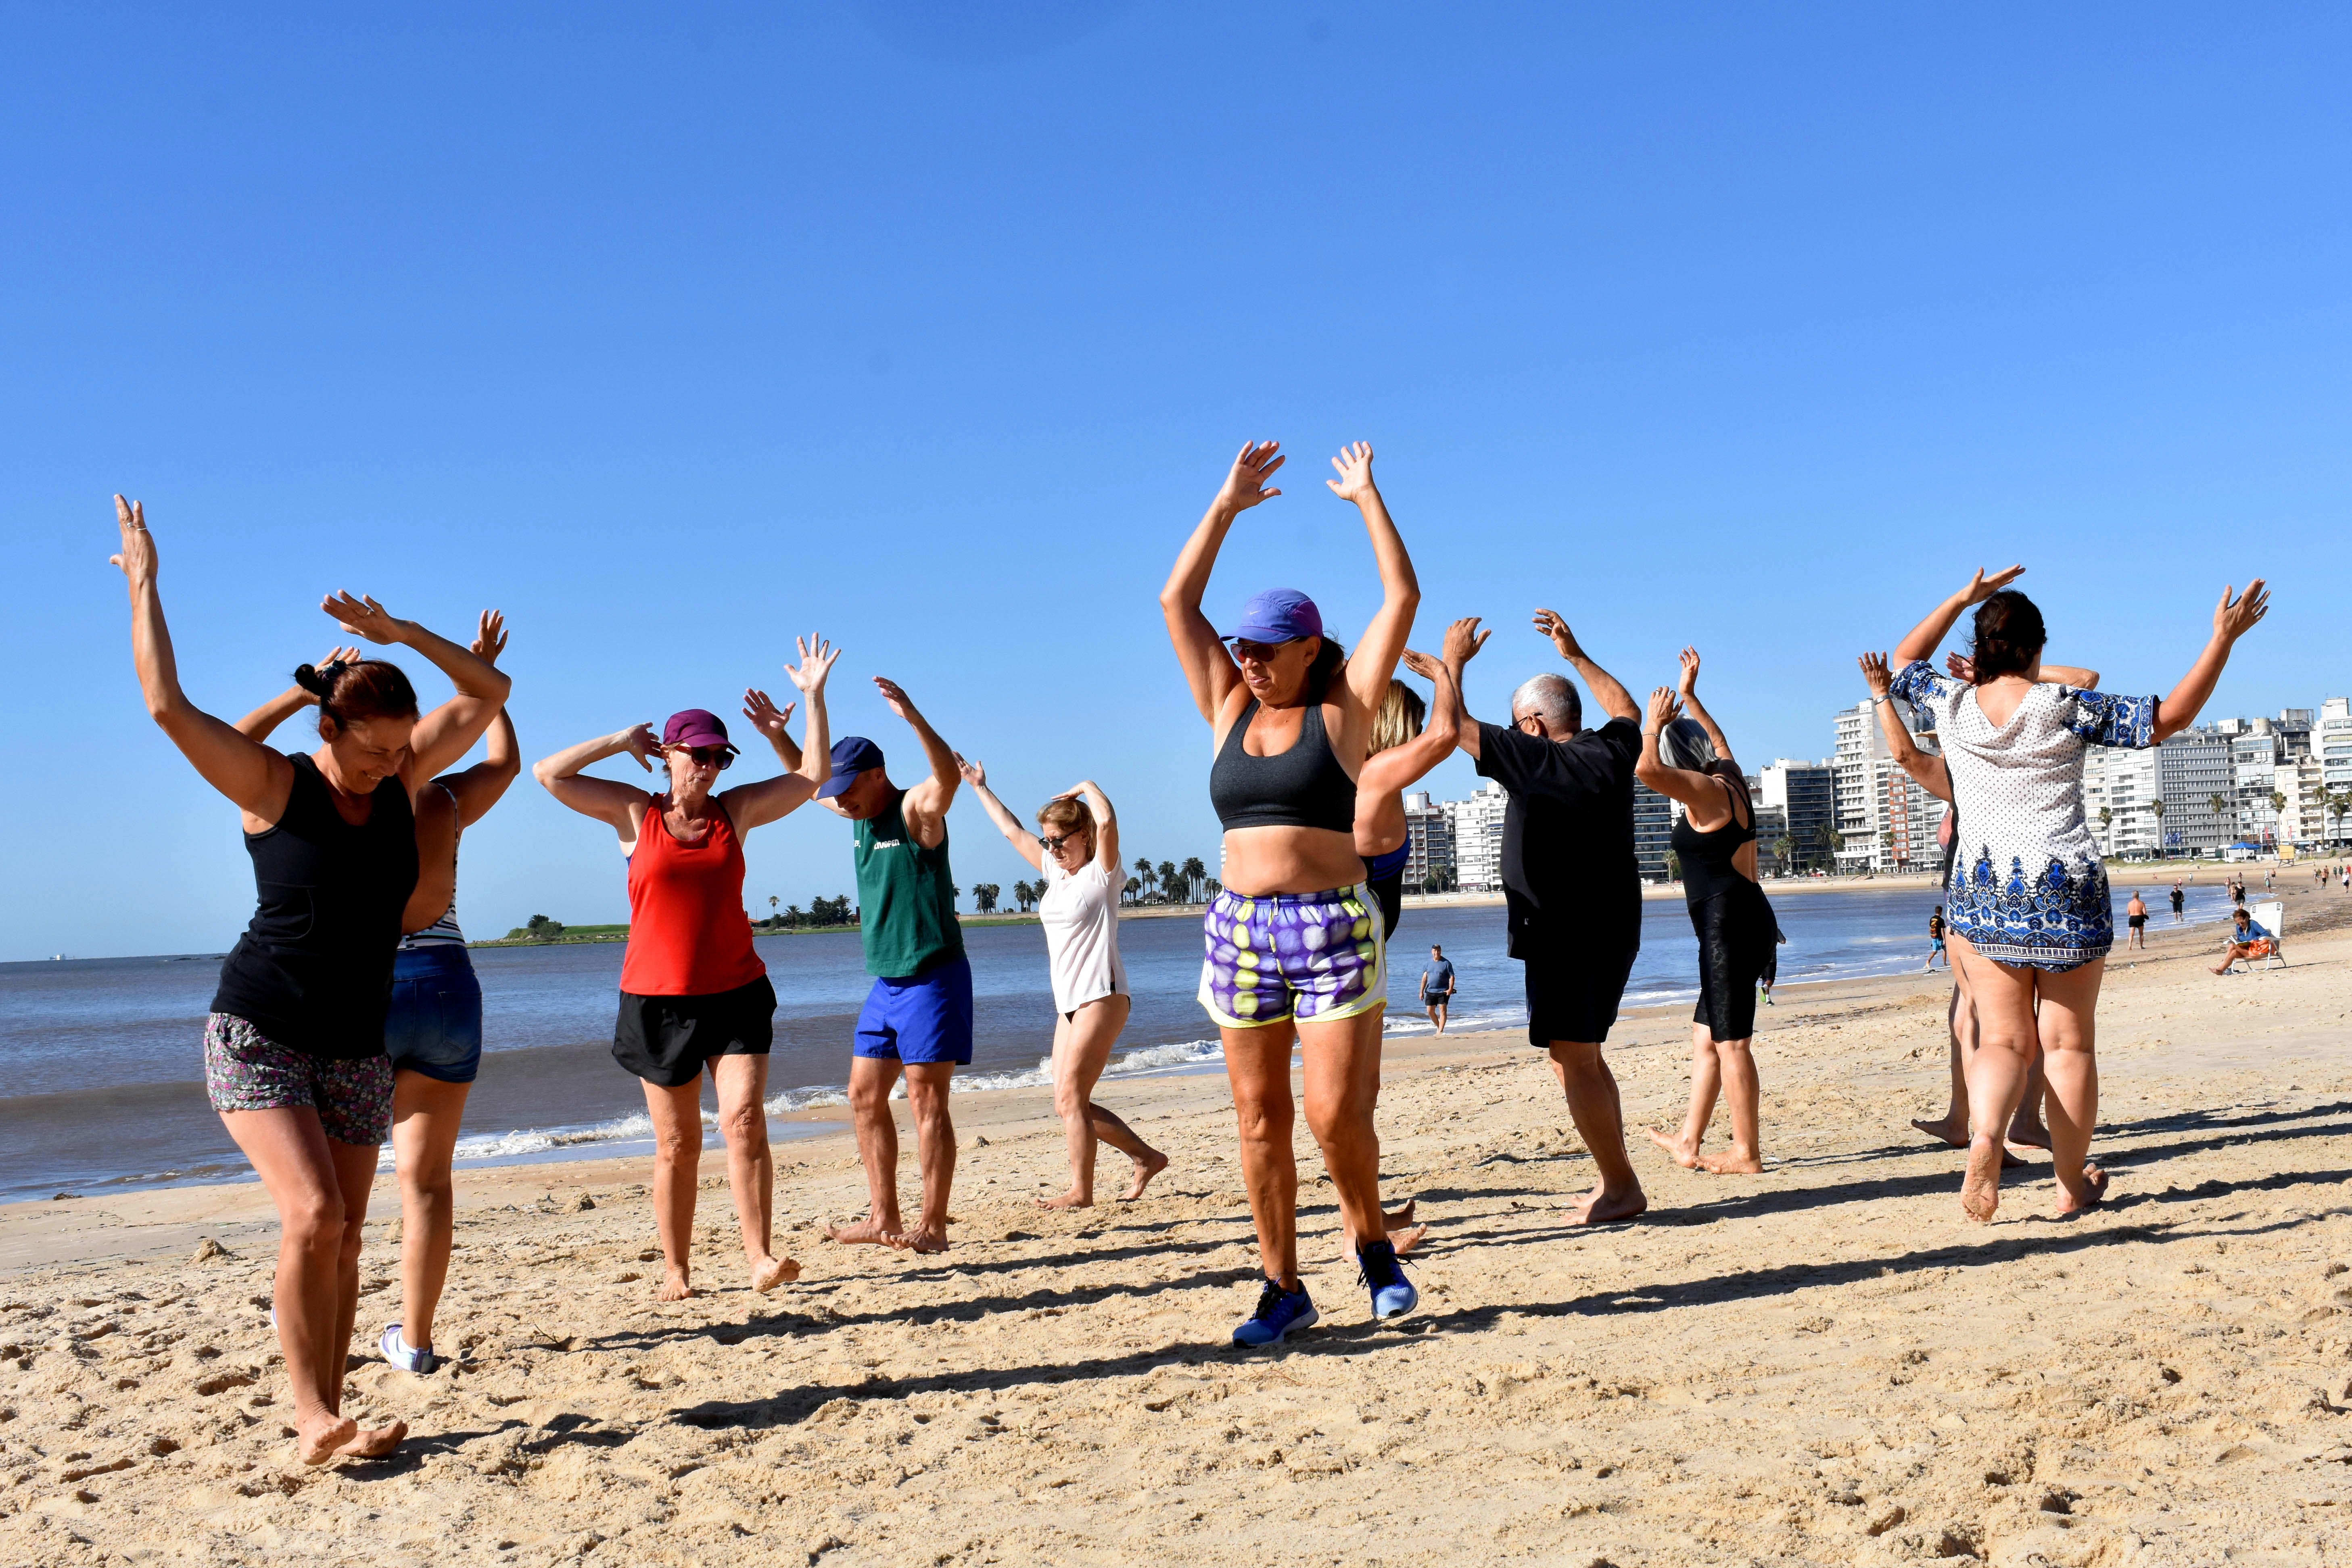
(918, 1018)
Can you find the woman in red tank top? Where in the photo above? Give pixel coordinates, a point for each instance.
(694, 993)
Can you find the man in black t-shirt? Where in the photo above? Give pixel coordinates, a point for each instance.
(1572, 886)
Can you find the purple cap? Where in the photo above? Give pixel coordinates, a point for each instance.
(1278, 615)
(695, 726)
(852, 755)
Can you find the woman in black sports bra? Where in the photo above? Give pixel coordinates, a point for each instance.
(1716, 842)
(1293, 943)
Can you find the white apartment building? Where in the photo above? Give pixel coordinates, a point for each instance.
(1887, 820)
(2332, 739)
(1804, 795)
(2304, 820)
(2255, 752)
(1655, 816)
(1475, 826)
(2193, 767)
(2120, 789)
(1430, 852)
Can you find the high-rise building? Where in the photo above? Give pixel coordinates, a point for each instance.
(2193, 768)
(2254, 757)
(2332, 739)
(1654, 827)
(2303, 820)
(2119, 785)
(1476, 826)
(1805, 794)
(2293, 727)
(1430, 847)
(1887, 821)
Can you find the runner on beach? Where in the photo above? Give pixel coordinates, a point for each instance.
(1689, 760)
(2015, 745)
(2135, 915)
(1076, 847)
(695, 996)
(1437, 986)
(917, 1021)
(1574, 889)
(294, 1046)
(2178, 896)
(1934, 940)
(1294, 944)
(433, 1027)
(1402, 748)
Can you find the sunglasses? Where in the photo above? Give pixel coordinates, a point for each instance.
(719, 756)
(1054, 845)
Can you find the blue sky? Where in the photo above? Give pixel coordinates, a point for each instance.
(934, 326)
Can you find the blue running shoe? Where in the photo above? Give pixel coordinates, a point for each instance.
(1392, 1294)
(1279, 1312)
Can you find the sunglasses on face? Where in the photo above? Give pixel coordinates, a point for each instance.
(1054, 845)
(710, 756)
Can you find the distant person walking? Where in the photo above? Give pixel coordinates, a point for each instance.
(917, 1021)
(1437, 986)
(1402, 748)
(1688, 759)
(1936, 939)
(1076, 847)
(2031, 916)
(294, 1046)
(695, 996)
(433, 1028)
(1572, 890)
(2135, 915)
(2178, 897)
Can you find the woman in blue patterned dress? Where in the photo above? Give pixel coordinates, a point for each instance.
(2028, 913)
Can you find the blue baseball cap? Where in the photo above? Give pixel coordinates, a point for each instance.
(1278, 615)
(852, 755)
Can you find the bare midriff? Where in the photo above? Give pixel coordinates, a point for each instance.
(1261, 860)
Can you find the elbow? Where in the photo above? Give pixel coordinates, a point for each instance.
(1649, 773)
(544, 772)
(496, 687)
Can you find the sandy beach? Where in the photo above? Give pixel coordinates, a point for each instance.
(1826, 1363)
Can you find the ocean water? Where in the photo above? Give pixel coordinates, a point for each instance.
(103, 1067)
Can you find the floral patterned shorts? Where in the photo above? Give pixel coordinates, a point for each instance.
(244, 1071)
(1311, 957)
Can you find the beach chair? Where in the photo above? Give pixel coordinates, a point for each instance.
(2271, 917)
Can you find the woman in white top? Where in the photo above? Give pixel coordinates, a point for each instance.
(1076, 848)
(2028, 911)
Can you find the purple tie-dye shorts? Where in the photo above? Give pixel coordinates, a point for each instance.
(1285, 956)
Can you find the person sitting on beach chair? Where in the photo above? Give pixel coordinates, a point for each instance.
(2247, 940)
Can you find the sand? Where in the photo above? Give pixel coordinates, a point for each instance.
(1825, 1364)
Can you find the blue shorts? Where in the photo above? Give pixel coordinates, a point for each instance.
(435, 1022)
(923, 1020)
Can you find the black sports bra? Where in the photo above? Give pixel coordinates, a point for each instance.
(1302, 787)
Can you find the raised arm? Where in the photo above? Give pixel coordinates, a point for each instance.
(1963, 668)
(1400, 767)
(1928, 636)
(1024, 842)
(248, 772)
(606, 800)
(1209, 668)
(1106, 824)
(1934, 776)
(2232, 618)
(450, 731)
(1690, 788)
(752, 804)
(1696, 710)
(926, 805)
(1463, 641)
(1375, 659)
(263, 721)
(478, 788)
(1607, 695)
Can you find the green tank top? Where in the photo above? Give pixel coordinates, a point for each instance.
(906, 898)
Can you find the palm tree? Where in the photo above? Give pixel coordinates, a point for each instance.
(983, 897)
(1887, 844)
(2218, 805)
(1134, 889)
(1168, 884)
(1192, 872)
(2278, 814)
(1211, 887)
(2340, 803)
(1784, 850)
(1831, 840)
(1144, 873)
(2156, 806)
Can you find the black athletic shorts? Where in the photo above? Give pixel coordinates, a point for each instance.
(1573, 994)
(665, 1040)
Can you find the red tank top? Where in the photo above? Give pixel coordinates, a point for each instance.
(688, 935)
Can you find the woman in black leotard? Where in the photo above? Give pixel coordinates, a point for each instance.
(294, 1055)
(1715, 840)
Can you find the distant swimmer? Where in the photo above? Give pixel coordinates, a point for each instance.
(1076, 847)
(694, 996)
(917, 1021)
(2135, 917)
(432, 1029)
(294, 1047)
(1437, 986)
(1688, 760)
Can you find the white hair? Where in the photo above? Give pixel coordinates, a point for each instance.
(1552, 697)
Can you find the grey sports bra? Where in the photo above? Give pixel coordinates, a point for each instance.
(1302, 787)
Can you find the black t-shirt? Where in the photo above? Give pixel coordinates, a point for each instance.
(1569, 872)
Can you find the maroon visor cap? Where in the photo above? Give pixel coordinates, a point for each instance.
(695, 726)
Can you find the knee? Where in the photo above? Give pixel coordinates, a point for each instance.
(431, 1190)
(746, 1127)
(1260, 1122)
(1338, 1118)
(672, 1144)
(870, 1099)
(314, 1221)
(1068, 1104)
(1575, 1059)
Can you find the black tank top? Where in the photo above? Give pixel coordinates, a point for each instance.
(1708, 870)
(313, 971)
(1302, 787)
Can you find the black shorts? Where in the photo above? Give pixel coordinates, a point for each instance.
(1573, 994)
(665, 1040)
(2136, 921)
(1389, 893)
(1437, 998)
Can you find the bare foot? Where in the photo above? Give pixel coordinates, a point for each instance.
(922, 1238)
(1734, 1163)
(1073, 1199)
(1600, 1208)
(1945, 1131)
(868, 1229)
(1150, 1165)
(1981, 1188)
(675, 1286)
(1686, 1158)
(769, 1272)
(375, 1442)
(2029, 1137)
(1402, 1217)
(1404, 1238)
(2095, 1192)
(317, 1438)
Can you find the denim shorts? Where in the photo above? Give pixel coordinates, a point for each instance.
(434, 1026)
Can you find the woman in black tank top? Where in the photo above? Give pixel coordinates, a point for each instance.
(1689, 760)
(294, 1056)
(1293, 947)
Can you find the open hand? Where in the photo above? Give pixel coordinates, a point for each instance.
(1549, 623)
(1960, 668)
(974, 774)
(1245, 485)
(1355, 467)
(1420, 664)
(491, 637)
(138, 557)
(1981, 587)
(361, 616)
(639, 742)
(1688, 686)
(1463, 641)
(1874, 674)
(1664, 709)
(2233, 618)
(896, 696)
(766, 716)
(816, 662)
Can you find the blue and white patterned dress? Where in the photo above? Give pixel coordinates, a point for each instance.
(2028, 887)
